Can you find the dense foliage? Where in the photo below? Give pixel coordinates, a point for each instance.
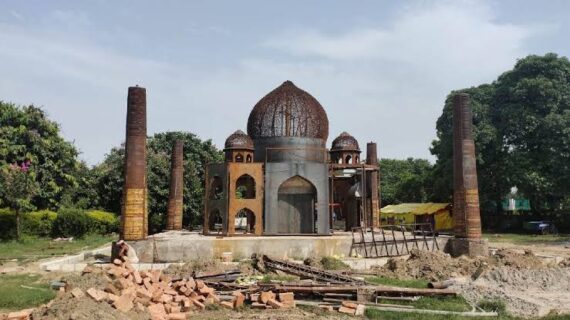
(27, 134)
(405, 180)
(522, 136)
(108, 177)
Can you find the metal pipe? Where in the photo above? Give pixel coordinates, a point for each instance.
(175, 198)
(134, 215)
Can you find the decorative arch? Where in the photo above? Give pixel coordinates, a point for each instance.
(216, 188)
(348, 159)
(245, 220)
(297, 197)
(248, 158)
(245, 187)
(215, 221)
(239, 157)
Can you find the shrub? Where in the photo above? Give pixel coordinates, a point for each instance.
(39, 223)
(71, 222)
(7, 224)
(333, 263)
(103, 222)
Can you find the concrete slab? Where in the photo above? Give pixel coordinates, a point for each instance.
(178, 246)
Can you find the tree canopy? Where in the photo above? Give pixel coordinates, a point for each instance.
(522, 135)
(404, 180)
(27, 134)
(108, 177)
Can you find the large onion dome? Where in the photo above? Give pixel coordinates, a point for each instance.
(288, 111)
(238, 140)
(345, 142)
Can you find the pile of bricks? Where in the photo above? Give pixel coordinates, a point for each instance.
(157, 293)
(347, 307)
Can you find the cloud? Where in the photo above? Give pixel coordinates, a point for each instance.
(380, 83)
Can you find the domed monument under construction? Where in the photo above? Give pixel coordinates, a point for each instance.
(279, 178)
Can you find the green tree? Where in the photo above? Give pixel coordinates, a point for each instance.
(405, 180)
(19, 185)
(522, 135)
(27, 133)
(108, 177)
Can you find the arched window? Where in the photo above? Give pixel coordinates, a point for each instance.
(357, 159)
(239, 157)
(215, 221)
(245, 220)
(248, 158)
(245, 187)
(348, 159)
(216, 188)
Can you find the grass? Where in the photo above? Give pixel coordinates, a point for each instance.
(522, 238)
(276, 277)
(407, 283)
(23, 291)
(32, 249)
(332, 263)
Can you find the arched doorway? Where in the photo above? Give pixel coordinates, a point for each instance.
(216, 223)
(245, 221)
(296, 201)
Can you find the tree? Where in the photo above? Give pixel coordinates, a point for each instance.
(404, 180)
(19, 185)
(27, 133)
(108, 177)
(522, 135)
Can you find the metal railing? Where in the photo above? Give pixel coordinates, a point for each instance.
(392, 240)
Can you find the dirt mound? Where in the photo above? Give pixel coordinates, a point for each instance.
(66, 307)
(436, 265)
(432, 266)
(510, 258)
(526, 292)
(196, 267)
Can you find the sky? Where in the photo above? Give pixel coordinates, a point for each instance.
(381, 69)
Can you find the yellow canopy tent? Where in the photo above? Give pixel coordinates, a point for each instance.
(439, 214)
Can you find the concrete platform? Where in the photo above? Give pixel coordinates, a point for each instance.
(178, 246)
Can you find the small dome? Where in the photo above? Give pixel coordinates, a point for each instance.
(288, 111)
(238, 140)
(345, 142)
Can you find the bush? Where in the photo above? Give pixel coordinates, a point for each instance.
(71, 222)
(103, 222)
(38, 223)
(7, 224)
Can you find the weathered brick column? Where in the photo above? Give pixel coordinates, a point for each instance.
(466, 215)
(175, 204)
(134, 216)
(373, 182)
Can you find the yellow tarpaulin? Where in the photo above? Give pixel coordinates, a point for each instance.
(408, 213)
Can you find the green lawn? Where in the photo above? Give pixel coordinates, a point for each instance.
(31, 249)
(522, 238)
(412, 283)
(23, 291)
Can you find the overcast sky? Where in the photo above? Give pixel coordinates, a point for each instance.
(381, 69)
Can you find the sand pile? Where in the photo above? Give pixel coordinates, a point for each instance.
(526, 292)
(437, 266)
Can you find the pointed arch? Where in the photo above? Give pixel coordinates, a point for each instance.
(297, 197)
(245, 187)
(245, 220)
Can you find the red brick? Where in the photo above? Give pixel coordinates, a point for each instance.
(346, 310)
(266, 296)
(124, 303)
(198, 304)
(238, 299)
(117, 262)
(275, 304)
(77, 293)
(157, 311)
(286, 296)
(177, 316)
(349, 304)
(227, 304)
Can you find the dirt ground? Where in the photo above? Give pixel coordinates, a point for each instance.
(529, 285)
